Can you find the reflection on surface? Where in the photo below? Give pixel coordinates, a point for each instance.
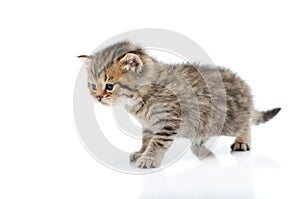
(227, 175)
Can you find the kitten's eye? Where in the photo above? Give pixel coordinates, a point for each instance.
(94, 87)
(109, 87)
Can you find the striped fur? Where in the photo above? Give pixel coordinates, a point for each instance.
(186, 100)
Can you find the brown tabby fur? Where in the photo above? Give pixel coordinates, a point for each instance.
(186, 100)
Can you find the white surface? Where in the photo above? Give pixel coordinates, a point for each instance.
(41, 155)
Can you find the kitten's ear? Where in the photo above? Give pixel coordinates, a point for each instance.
(132, 62)
(85, 58)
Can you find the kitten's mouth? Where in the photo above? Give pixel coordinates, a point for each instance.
(106, 103)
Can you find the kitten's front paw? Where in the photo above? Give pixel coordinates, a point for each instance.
(147, 162)
(135, 155)
(240, 146)
(201, 151)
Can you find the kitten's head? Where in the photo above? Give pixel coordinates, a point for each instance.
(110, 71)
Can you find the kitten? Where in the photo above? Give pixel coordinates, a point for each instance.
(178, 100)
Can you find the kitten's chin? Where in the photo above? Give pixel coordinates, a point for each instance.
(109, 102)
(106, 103)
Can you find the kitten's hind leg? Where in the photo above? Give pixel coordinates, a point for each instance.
(136, 155)
(243, 141)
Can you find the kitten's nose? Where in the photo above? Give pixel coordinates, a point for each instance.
(99, 98)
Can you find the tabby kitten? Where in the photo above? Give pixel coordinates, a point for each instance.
(178, 100)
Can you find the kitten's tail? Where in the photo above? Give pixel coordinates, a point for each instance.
(259, 117)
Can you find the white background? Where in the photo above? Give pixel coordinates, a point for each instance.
(40, 153)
